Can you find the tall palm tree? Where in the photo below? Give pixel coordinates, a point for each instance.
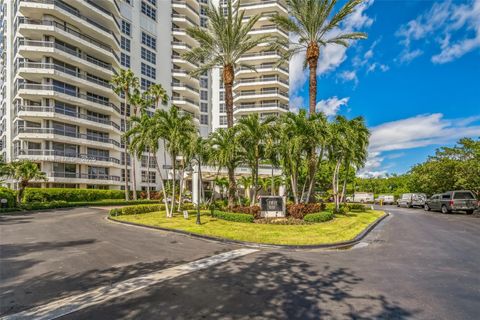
(246, 183)
(124, 83)
(315, 25)
(253, 133)
(24, 171)
(175, 128)
(158, 94)
(202, 154)
(222, 44)
(226, 154)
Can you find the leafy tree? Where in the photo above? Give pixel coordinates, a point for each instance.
(124, 83)
(24, 171)
(226, 154)
(315, 26)
(253, 133)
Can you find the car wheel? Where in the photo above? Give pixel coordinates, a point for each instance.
(469, 211)
(445, 210)
(426, 207)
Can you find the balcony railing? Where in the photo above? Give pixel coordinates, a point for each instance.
(62, 69)
(247, 3)
(99, 44)
(100, 8)
(262, 79)
(265, 91)
(60, 153)
(185, 3)
(68, 134)
(181, 84)
(182, 16)
(35, 86)
(261, 54)
(264, 105)
(74, 12)
(19, 108)
(96, 176)
(52, 44)
(183, 99)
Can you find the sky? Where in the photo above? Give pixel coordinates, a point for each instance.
(415, 80)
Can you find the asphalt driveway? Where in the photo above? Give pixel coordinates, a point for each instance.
(414, 265)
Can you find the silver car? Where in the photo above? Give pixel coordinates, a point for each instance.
(410, 200)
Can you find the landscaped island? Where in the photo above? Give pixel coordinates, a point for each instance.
(343, 227)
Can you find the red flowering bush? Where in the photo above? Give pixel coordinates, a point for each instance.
(298, 211)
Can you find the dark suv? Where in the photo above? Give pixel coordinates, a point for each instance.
(460, 200)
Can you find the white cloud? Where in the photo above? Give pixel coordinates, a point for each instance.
(439, 23)
(331, 56)
(349, 76)
(296, 102)
(331, 106)
(419, 131)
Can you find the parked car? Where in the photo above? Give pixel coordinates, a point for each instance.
(385, 199)
(460, 200)
(362, 197)
(410, 200)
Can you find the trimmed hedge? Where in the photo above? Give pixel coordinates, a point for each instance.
(319, 216)
(137, 209)
(357, 207)
(298, 211)
(70, 195)
(232, 216)
(10, 195)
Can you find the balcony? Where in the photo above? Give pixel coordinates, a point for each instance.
(69, 134)
(43, 111)
(261, 94)
(268, 29)
(64, 72)
(30, 48)
(58, 6)
(263, 68)
(57, 155)
(83, 39)
(257, 7)
(189, 8)
(43, 90)
(186, 104)
(260, 107)
(84, 176)
(259, 82)
(274, 56)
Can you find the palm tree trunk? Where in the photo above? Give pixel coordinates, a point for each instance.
(125, 156)
(148, 175)
(161, 184)
(134, 179)
(174, 157)
(228, 78)
(312, 181)
(180, 194)
(202, 190)
(293, 182)
(347, 168)
(335, 184)
(272, 184)
(312, 57)
(231, 187)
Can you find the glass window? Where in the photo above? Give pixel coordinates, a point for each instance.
(125, 44)
(203, 107)
(126, 28)
(149, 41)
(145, 83)
(125, 60)
(149, 55)
(148, 71)
(463, 195)
(149, 11)
(204, 119)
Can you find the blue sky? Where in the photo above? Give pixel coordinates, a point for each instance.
(416, 80)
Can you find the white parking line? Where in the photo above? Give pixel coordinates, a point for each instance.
(71, 304)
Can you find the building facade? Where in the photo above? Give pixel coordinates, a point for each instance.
(58, 57)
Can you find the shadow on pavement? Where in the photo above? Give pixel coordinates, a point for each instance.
(262, 286)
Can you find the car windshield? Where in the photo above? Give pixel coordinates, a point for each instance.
(463, 195)
(406, 196)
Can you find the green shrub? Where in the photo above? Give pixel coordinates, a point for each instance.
(43, 205)
(69, 194)
(298, 211)
(138, 209)
(10, 195)
(319, 216)
(357, 207)
(232, 216)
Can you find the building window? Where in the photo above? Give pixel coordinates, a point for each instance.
(203, 22)
(223, 120)
(204, 95)
(148, 71)
(222, 95)
(125, 60)
(149, 56)
(203, 107)
(149, 11)
(149, 41)
(145, 83)
(222, 108)
(126, 28)
(125, 44)
(204, 82)
(204, 119)
(153, 2)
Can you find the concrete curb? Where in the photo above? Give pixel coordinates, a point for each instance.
(337, 245)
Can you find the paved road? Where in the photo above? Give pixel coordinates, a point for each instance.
(415, 265)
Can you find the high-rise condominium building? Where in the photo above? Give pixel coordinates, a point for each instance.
(266, 90)
(57, 59)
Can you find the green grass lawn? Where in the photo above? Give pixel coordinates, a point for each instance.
(341, 228)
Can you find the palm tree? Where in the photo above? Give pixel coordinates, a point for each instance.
(246, 183)
(158, 94)
(253, 133)
(23, 172)
(202, 154)
(222, 44)
(222, 184)
(314, 25)
(124, 83)
(226, 154)
(175, 128)
(264, 183)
